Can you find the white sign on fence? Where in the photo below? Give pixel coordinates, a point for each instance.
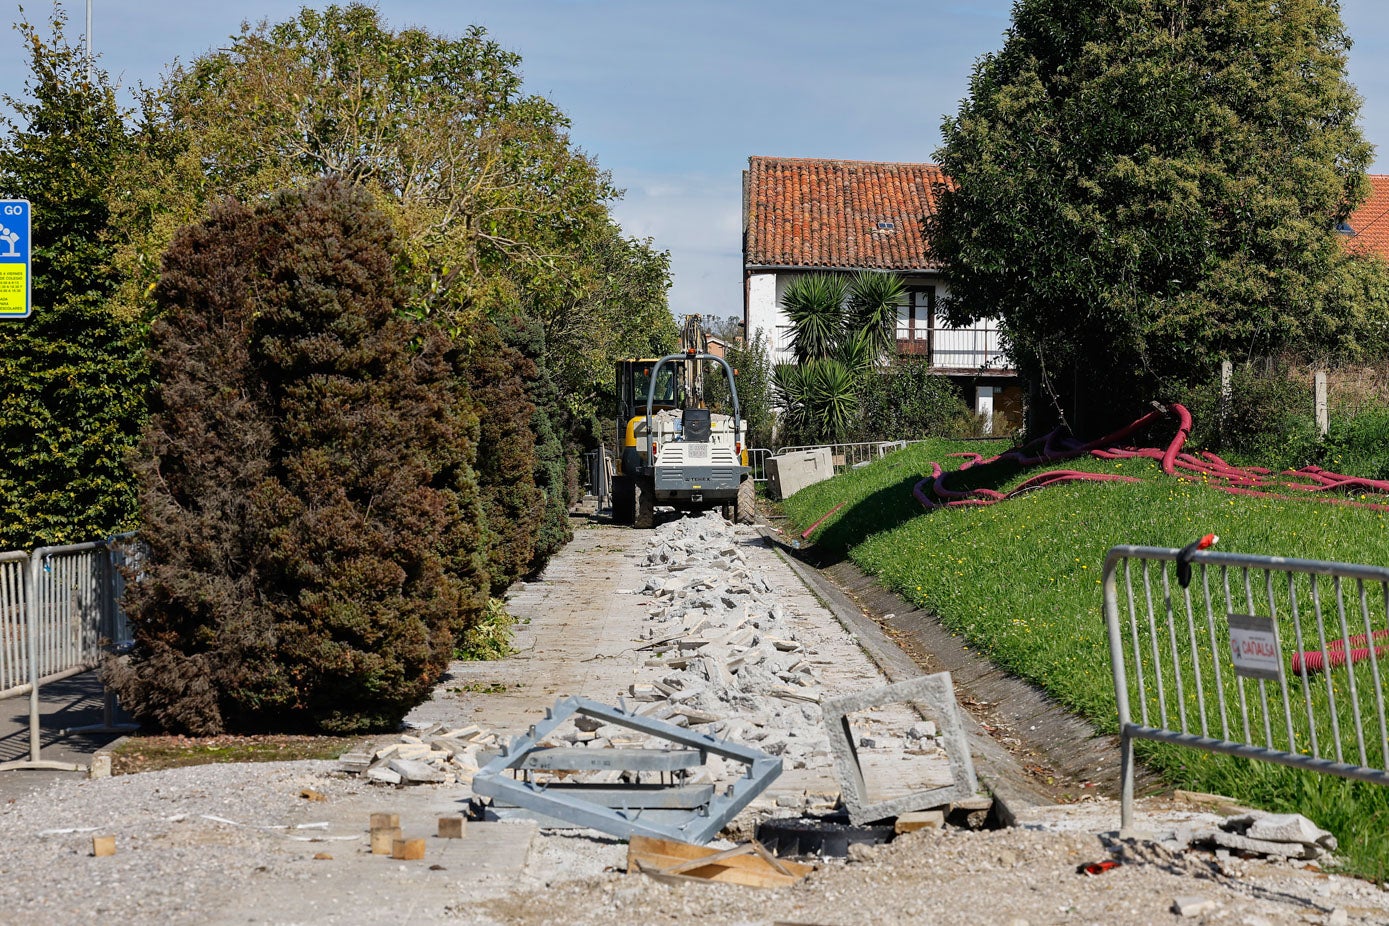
(1254, 647)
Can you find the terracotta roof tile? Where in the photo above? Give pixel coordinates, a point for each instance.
(1371, 221)
(817, 212)
(813, 212)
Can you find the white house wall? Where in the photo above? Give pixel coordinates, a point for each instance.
(954, 347)
(765, 314)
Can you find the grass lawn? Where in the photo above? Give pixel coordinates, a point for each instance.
(1020, 581)
(147, 753)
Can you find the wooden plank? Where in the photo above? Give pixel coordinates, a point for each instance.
(683, 860)
(721, 875)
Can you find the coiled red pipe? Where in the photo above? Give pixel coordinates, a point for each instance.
(1255, 481)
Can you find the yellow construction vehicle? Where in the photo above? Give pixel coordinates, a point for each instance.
(672, 449)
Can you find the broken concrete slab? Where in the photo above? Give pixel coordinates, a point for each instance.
(1280, 827)
(1192, 905)
(936, 694)
(413, 771)
(1240, 843)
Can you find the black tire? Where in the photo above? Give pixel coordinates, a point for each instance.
(645, 517)
(746, 507)
(624, 500)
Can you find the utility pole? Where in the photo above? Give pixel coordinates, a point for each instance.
(90, 79)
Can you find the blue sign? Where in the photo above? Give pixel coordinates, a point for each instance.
(15, 255)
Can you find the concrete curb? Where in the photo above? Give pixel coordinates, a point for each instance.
(995, 766)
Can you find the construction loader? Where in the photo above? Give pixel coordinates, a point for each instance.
(673, 450)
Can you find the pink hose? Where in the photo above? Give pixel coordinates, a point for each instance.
(1256, 481)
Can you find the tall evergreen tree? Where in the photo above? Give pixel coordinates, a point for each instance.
(1141, 188)
(307, 498)
(72, 375)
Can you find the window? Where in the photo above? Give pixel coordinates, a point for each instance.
(914, 316)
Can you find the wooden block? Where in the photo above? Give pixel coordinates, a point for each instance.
(384, 821)
(383, 840)
(920, 820)
(408, 849)
(451, 827)
(103, 845)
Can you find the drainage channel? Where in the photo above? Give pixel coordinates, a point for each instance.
(1028, 749)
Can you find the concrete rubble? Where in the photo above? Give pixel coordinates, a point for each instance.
(432, 755)
(723, 657)
(1286, 835)
(732, 660)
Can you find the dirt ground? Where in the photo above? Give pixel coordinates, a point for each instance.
(576, 641)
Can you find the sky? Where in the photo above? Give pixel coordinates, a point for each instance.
(673, 96)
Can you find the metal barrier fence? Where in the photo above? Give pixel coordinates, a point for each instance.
(757, 462)
(599, 466)
(845, 457)
(59, 616)
(1260, 657)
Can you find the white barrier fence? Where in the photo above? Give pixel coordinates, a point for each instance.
(59, 616)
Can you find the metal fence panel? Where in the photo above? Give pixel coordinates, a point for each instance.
(14, 585)
(757, 463)
(124, 554)
(1263, 657)
(71, 597)
(59, 615)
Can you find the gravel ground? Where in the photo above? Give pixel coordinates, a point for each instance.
(960, 877)
(242, 843)
(177, 864)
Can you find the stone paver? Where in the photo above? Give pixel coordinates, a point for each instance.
(581, 633)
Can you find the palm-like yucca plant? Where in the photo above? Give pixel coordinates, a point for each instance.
(841, 328)
(872, 310)
(791, 396)
(833, 397)
(814, 305)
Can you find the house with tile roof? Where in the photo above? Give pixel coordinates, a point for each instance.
(803, 215)
(1367, 228)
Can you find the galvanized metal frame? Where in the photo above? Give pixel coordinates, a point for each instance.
(1160, 634)
(937, 693)
(697, 826)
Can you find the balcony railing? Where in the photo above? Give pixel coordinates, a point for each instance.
(975, 348)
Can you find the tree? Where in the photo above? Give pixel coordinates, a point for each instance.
(73, 376)
(497, 212)
(841, 329)
(552, 476)
(497, 376)
(1140, 188)
(909, 402)
(306, 495)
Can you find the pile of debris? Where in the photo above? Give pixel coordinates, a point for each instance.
(433, 755)
(731, 656)
(723, 657)
(1280, 835)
